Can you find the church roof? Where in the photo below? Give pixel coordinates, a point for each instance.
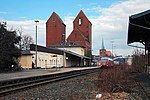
(102, 44)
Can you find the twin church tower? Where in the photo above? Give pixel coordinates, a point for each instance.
(81, 34)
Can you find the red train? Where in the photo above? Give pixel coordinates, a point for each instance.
(106, 62)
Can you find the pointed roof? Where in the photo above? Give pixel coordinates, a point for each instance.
(102, 44)
(82, 13)
(54, 13)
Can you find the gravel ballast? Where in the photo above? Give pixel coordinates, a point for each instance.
(79, 88)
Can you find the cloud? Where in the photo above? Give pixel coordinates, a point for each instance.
(110, 24)
(3, 12)
(28, 27)
(68, 20)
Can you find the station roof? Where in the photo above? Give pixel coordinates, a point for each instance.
(55, 51)
(77, 55)
(139, 27)
(44, 49)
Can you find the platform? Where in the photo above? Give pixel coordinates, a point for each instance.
(37, 72)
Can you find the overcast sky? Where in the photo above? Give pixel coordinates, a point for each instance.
(109, 18)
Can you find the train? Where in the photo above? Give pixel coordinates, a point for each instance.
(106, 62)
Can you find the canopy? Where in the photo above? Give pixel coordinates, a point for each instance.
(139, 27)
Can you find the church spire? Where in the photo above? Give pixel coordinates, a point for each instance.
(102, 44)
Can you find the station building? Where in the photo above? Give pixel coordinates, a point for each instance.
(52, 57)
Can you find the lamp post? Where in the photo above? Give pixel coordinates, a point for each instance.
(36, 44)
(64, 54)
(112, 48)
(90, 56)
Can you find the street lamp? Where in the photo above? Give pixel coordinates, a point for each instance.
(36, 44)
(90, 56)
(64, 54)
(112, 48)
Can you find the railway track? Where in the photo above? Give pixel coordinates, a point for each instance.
(144, 93)
(16, 85)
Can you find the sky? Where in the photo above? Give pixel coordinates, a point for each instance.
(109, 19)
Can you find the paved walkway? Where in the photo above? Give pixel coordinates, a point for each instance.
(37, 72)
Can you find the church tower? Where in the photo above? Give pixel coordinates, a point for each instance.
(102, 50)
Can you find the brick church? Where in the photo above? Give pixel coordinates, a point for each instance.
(81, 34)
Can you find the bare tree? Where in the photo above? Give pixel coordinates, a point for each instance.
(26, 41)
(19, 30)
(139, 61)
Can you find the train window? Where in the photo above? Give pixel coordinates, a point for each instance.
(104, 60)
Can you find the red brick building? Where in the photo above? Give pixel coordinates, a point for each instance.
(55, 30)
(82, 33)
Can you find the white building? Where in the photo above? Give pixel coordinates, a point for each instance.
(53, 57)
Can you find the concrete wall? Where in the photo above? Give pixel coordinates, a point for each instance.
(26, 61)
(48, 60)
